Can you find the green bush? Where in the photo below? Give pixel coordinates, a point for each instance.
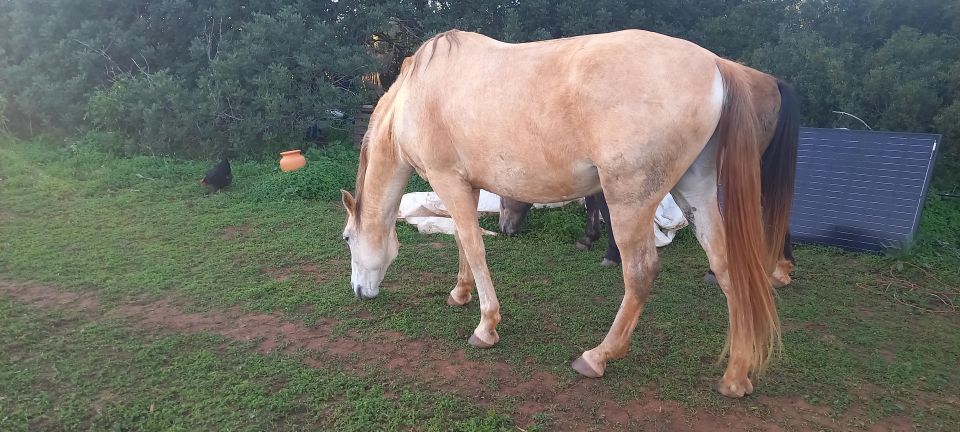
(189, 79)
(3, 117)
(327, 171)
(155, 112)
(207, 78)
(938, 242)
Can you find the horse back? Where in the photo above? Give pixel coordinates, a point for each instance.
(556, 113)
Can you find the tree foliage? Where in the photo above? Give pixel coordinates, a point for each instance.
(198, 77)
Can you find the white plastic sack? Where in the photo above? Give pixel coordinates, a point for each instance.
(425, 211)
(667, 221)
(424, 204)
(437, 225)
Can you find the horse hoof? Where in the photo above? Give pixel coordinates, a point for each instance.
(710, 278)
(583, 246)
(477, 342)
(452, 301)
(583, 367)
(609, 263)
(781, 275)
(780, 282)
(735, 389)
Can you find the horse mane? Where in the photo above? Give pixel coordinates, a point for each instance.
(361, 173)
(384, 106)
(451, 36)
(385, 130)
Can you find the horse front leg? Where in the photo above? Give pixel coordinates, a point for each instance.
(460, 199)
(461, 294)
(641, 264)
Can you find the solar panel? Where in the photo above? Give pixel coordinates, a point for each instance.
(861, 190)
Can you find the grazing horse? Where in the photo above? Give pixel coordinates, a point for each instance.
(633, 114)
(513, 213)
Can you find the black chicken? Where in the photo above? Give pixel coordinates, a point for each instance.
(219, 176)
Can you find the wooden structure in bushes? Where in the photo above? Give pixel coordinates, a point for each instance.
(361, 120)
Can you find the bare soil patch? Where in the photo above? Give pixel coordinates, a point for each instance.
(234, 232)
(327, 271)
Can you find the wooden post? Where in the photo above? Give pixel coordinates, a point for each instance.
(361, 120)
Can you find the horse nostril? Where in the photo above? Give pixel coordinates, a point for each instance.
(357, 290)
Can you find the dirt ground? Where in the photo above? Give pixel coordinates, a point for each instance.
(579, 405)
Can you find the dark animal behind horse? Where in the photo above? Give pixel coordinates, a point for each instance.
(514, 213)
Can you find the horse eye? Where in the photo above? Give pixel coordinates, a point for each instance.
(346, 238)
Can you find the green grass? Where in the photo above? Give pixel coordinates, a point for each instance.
(63, 371)
(141, 227)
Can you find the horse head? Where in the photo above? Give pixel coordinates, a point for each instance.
(512, 215)
(372, 249)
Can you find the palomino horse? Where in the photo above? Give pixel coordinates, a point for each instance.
(633, 114)
(513, 213)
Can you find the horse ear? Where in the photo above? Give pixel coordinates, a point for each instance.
(406, 64)
(349, 203)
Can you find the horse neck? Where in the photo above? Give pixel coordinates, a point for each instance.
(384, 182)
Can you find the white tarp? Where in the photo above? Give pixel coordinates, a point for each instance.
(425, 211)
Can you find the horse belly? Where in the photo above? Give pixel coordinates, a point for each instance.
(538, 183)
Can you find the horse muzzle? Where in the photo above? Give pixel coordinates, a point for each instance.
(509, 227)
(364, 294)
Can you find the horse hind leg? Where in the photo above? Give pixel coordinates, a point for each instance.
(786, 265)
(641, 264)
(781, 273)
(696, 194)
